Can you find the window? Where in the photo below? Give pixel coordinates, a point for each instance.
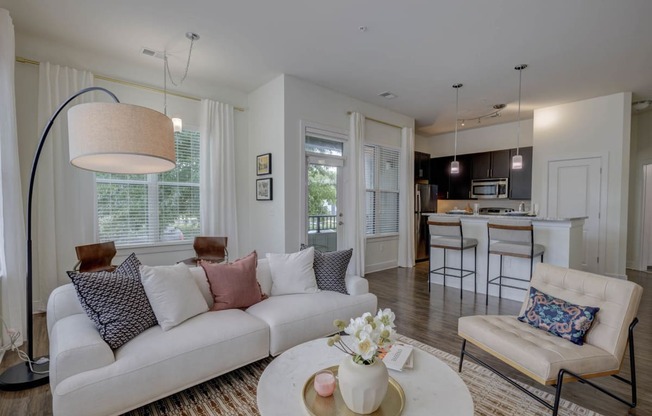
(381, 179)
(147, 209)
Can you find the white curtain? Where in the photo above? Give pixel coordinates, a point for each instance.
(217, 196)
(354, 205)
(64, 196)
(406, 202)
(13, 255)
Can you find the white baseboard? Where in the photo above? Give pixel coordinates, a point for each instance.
(370, 268)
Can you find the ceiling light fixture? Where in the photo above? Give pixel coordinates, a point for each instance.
(455, 165)
(641, 105)
(498, 108)
(517, 160)
(177, 123)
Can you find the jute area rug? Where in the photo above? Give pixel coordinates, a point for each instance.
(234, 393)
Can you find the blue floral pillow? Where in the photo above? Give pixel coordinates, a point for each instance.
(558, 317)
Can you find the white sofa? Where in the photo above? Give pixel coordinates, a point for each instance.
(89, 378)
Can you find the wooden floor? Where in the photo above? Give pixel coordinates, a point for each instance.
(430, 318)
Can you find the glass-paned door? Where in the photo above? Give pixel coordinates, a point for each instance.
(324, 219)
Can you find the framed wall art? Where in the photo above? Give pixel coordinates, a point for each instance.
(264, 164)
(264, 189)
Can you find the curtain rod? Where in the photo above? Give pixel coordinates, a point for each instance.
(379, 121)
(127, 83)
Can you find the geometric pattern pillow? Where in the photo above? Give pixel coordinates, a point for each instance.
(561, 318)
(330, 269)
(115, 301)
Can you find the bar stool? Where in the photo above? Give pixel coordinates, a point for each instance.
(447, 234)
(514, 238)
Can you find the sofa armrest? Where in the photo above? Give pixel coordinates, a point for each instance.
(75, 347)
(62, 302)
(356, 285)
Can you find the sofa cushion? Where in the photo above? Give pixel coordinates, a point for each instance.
(537, 353)
(115, 301)
(330, 269)
(199, 276)
(293, 273)
(561, 318)
(173, 294)
(298, 318)
(233, 285)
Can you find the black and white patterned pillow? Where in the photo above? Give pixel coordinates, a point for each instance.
(115, 301)
(330, 269)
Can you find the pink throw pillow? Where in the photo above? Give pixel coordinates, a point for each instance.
(233, 285)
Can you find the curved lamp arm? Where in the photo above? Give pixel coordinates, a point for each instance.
(32, 177)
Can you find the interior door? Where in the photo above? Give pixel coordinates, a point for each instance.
(574, 191)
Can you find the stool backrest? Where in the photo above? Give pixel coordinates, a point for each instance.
(513, 231)
(444, 227)
(618, 301)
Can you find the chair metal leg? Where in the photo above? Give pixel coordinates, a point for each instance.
(500, 279)
(444, 267)
(475, 269)
(486, 299)
(461, 272)
(459, 369)
(429, 267)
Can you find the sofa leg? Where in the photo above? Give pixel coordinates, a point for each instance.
(560, 381)
(459, 370)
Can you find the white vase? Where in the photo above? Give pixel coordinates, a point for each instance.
(363, 387)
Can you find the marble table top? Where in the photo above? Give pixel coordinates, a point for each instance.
(431, 388)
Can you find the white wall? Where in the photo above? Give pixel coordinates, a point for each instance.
(300, 101)
(475, 140)
(266, 231)
(589, 128)
(641, 154)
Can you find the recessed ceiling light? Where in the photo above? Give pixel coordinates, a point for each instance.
(388, 95)
(362, 28)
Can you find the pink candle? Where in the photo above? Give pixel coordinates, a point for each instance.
(324, 383)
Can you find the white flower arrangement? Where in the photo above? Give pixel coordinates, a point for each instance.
(369, 333)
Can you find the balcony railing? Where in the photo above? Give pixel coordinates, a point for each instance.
(322, 223)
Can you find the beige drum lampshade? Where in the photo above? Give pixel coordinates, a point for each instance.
(120, 138)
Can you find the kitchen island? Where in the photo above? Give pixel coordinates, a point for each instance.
(562, 238)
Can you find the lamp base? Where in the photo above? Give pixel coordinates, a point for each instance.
(20, 377)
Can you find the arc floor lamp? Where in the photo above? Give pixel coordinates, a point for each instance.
(103, 137)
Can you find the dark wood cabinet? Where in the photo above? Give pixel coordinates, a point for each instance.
(498, 164)
(421, 165)
(494, 164)
(520, 180)
(450, 186)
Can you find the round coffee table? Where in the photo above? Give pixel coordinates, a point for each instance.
(431, 388)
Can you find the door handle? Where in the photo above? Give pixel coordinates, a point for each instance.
(340, 223)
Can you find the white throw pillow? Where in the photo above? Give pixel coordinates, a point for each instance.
(293, 273)
(173, 294)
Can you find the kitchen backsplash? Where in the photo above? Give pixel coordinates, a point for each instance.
(445, 205)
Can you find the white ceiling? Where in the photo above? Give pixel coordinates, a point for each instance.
(416, 49)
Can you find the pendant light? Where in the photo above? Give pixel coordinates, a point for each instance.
(455, 165)
(177, 123)
(517, 160)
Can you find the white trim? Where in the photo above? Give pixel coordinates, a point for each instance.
(329, 133)
(376, 267)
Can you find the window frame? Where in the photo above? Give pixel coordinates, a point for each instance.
(377, 191)
(152, 184)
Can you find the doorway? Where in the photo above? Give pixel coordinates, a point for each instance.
(575, 190)
(323, 190)
(646, 234)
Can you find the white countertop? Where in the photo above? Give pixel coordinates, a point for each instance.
(506, 217)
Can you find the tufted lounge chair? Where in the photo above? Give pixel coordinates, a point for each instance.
(551, 360)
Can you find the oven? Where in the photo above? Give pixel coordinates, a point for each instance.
(495, 188)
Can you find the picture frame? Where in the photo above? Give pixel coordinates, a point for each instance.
(264, 164)
(264, 189)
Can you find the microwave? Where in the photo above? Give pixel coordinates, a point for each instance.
(489, 188)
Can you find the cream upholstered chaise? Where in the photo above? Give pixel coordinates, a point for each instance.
(549, 359)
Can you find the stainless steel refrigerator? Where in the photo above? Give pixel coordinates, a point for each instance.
(425, 203)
